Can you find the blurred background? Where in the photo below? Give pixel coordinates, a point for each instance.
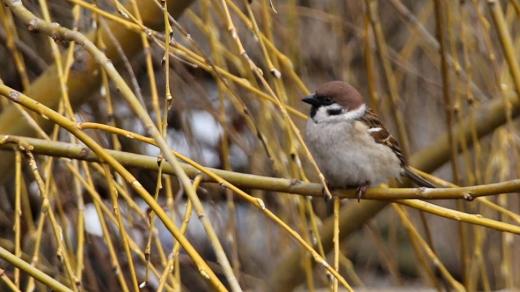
(441, 75)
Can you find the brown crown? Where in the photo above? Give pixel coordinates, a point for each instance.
(342, 93)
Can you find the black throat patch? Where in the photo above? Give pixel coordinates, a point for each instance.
(314, 109)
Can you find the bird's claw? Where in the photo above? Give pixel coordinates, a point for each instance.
(361, 190)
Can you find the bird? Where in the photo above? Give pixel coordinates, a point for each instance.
(349, 143)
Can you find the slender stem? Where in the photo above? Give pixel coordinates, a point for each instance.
(436, 261)
(506, 42)
(18, 97)
(17, 213)
(34, 272)
(389, 77)
(336, 241)
(120, 225)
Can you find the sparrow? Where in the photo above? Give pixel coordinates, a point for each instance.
(349, 142)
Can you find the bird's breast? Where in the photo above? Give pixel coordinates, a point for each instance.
(348, 155)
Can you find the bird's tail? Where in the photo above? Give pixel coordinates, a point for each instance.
(417, 178)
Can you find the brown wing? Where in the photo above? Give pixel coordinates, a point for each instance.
(381, 135)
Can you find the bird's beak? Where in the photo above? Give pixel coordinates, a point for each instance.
(311, 99)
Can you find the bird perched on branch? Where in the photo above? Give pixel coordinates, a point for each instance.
(349, 143)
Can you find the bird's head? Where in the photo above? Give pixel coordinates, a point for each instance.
(335, 101)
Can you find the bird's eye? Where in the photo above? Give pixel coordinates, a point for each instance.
(327, 100)
(334, 111)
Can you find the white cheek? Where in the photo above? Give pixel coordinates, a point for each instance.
(322, 115)
(355, 113)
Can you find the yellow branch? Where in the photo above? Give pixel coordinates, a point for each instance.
(35, 106)
(61, 149)
(26, 267)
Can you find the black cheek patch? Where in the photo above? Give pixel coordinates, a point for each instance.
(335, 111)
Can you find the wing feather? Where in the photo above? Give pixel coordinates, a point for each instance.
(381, 135)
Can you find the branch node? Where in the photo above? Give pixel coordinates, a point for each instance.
(14, 95)
(84, 152)
(33, 25)
(276, 73)
(468, 197)
(293, 182)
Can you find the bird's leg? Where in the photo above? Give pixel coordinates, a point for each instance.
(361, 190)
